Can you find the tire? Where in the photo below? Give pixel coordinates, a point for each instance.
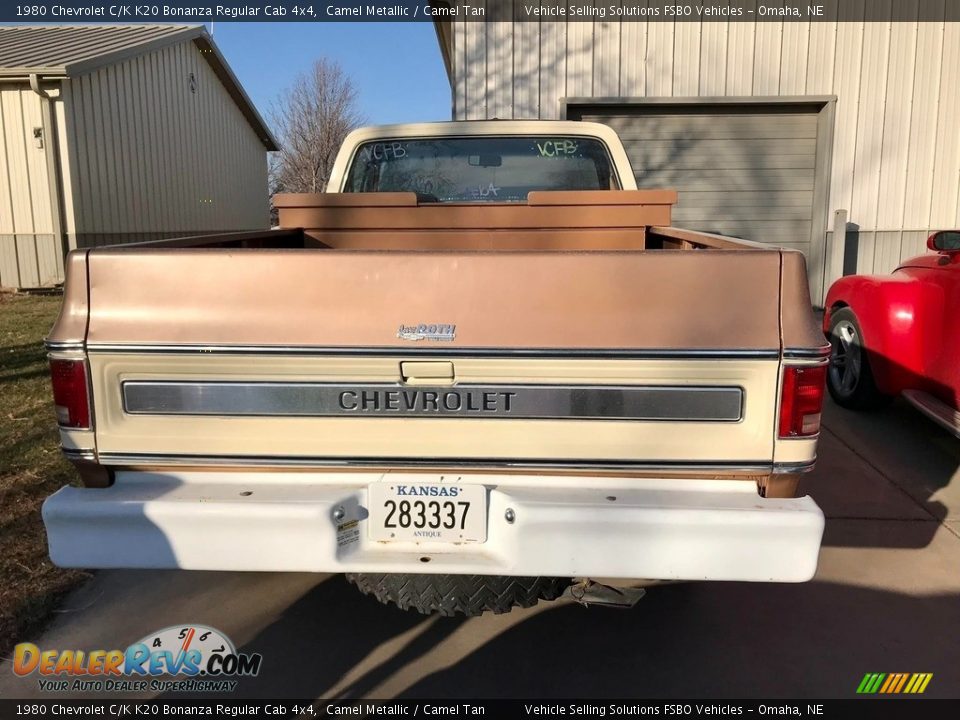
(849, 377)
(450, 595)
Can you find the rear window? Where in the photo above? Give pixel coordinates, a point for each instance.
(481, 169)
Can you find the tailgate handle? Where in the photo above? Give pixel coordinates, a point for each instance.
(426, 372)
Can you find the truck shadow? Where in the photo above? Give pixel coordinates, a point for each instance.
(721, 640)
(892, 464)
(335, 643)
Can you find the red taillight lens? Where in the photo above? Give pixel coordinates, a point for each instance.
(801, 400)
(70, 393)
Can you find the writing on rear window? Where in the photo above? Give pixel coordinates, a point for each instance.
(481, 169)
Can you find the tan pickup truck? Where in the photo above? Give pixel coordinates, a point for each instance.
(483, 367)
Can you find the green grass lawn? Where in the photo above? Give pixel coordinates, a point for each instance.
(31, 468)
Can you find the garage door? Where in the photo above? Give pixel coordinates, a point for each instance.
(748, 171)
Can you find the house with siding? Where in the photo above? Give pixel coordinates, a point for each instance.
(117, 134)
(837, 136)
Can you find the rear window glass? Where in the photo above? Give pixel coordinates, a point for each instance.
(480, 169)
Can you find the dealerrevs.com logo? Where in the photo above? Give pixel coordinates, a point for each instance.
(189, 658)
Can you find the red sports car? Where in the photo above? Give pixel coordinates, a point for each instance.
(899, 334)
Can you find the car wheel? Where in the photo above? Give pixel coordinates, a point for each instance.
(849, 378)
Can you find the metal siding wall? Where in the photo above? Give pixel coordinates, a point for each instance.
(768, 42)
(686, 59)
(500, 54)
(526, 85)
(633, 59)
(475, 71)
(896, 148)
(459, 61)
(607, 58)
(150, 158)
(821, 53)
(866, 157)
(846, 86)
(896, 126)
(921, 147)
(553, 68)
(740, 50)
(713, 59)
(659, 59)
(945, 206)
(29, 256)
(67, 159)
(793, 58)
(579, 59)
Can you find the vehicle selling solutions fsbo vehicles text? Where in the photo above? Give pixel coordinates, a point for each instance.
(593, 10)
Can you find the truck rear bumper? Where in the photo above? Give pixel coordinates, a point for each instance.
(562, 525)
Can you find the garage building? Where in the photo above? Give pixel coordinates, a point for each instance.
(767, 129)
(115, 134)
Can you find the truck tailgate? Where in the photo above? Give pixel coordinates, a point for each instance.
(594, 358)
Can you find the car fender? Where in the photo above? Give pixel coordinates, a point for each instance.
(888, 309)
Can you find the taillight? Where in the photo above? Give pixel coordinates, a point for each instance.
(70, 395)
(801, 400)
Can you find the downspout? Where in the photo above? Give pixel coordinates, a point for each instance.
(51, 149)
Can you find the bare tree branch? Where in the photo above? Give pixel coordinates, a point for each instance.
(311, 118)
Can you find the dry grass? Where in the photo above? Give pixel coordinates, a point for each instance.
(31, 468)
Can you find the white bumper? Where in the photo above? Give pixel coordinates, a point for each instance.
(563, 526)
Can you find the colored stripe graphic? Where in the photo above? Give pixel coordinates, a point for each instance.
(891, 680)
(869, 683)
(894, 683)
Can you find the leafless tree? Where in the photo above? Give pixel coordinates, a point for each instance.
(311, 119)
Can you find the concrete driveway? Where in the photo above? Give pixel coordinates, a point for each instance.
(886, 599)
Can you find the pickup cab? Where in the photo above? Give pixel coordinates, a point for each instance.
(483, 366)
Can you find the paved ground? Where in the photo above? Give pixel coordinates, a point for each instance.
(886, 599)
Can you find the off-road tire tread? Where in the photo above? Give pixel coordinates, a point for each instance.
(450, 595)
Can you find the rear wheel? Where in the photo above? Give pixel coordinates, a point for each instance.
(850, 379)
(458, 594)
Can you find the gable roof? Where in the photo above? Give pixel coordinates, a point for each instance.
(62, 51)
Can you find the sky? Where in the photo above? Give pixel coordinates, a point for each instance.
(397, 67)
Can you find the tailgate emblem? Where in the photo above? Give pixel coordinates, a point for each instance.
(427, 332)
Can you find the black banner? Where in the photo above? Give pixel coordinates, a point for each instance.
(874, 708)
(194, 11)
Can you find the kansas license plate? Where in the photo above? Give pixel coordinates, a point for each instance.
(424, 512)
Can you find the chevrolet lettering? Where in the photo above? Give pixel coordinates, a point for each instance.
(427, 401)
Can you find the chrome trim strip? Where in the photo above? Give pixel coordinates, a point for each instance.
(793, 468)
(685, 403)
(127, 459)
(399, 351)
(807, 353)
(55, 346)
(73, 454)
